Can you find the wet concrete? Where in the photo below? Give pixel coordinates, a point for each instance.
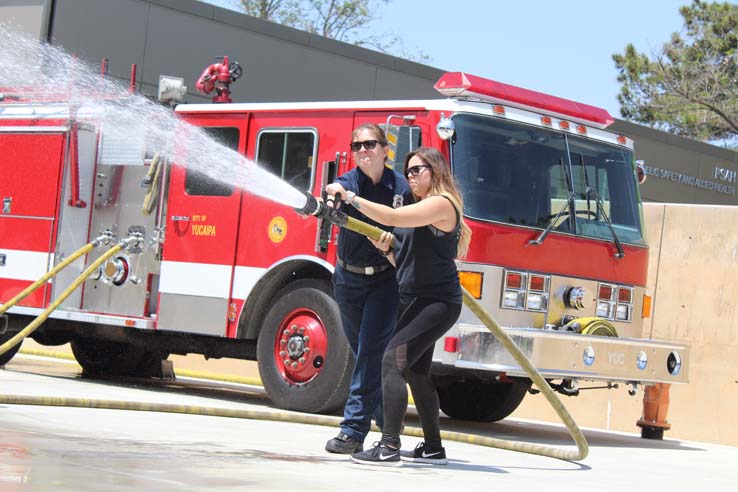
(67, 449)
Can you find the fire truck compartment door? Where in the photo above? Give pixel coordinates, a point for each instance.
(199, 252)
(30, 169)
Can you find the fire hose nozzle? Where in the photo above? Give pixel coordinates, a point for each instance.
(322, 210)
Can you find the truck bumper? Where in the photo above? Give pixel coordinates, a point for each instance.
(565, 355)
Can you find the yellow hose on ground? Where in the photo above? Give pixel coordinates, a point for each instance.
(38, 283)
(57, 302)
(272, 415)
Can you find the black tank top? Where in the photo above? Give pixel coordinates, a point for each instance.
(425, 262)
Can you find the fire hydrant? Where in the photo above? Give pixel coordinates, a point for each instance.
(655, 407)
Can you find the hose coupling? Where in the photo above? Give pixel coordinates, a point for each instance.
(134, 240)
(105, 238)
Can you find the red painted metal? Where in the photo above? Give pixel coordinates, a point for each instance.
(463, 84)
(132, 81)
(298, 325)
(74, 200)
(560, 254)
(216, 77)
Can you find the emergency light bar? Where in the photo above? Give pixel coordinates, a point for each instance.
(460, 84)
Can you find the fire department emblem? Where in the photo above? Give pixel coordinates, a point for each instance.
(397, 201)
(277, 229)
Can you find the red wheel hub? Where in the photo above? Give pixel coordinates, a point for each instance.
(301, 346)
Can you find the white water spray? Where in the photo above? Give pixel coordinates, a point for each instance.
(48, 72)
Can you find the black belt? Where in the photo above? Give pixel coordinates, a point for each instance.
(370, 270)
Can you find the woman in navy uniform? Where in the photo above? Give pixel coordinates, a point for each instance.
(428, 236)
(365, 286)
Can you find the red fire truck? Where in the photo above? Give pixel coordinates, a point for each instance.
(558, 254)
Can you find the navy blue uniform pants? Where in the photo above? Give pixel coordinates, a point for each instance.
(368, 305)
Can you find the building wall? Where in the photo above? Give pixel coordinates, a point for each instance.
(693, 276)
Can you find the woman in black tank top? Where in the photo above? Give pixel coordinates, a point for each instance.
(429, 235)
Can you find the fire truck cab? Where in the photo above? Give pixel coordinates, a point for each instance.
(558, 254)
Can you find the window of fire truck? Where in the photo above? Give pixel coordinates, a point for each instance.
(288, 154)
(200, 184)
(608, 170)
(520, 174)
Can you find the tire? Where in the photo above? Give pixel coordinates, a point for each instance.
(481, 401)
(16, 323)
(53, 332)
(316, 380)
(5, 357)
(106, 358)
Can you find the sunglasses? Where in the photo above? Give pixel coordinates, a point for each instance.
(415, 170)
(367, 144)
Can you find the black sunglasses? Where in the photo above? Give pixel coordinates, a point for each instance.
(368, 145)
(415, 170)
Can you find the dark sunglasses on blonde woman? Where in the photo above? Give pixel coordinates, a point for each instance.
(368, 145)
(415, 170)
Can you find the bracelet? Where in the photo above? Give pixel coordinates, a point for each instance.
(385, 253)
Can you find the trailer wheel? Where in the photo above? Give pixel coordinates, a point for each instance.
(481, 401)
(304, 359)
(106, 358)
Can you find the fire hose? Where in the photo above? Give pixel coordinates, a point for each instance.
(313, 207)
(18, 337)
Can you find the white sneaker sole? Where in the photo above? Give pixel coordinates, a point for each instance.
(377, 463)
(428, 461)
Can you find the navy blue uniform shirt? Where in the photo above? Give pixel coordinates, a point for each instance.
(391, 190)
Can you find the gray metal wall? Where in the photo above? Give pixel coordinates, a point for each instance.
(182, 37)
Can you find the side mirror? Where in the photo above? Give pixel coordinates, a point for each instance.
(445, 127)
(641, 171)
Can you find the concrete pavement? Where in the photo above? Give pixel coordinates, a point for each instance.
(54, 448)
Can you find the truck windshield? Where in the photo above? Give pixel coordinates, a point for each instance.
(523, 175)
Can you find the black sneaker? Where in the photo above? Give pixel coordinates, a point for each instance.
(422, 455)
(380, 455)
(344, 444)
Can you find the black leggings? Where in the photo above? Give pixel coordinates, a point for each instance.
(407, 360)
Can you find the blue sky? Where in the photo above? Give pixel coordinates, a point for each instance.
(559, 47)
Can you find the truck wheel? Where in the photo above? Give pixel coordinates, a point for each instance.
(304, 359)
(480, 401)
(5, 358)
(106, 358)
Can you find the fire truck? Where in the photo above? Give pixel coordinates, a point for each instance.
(558, 254)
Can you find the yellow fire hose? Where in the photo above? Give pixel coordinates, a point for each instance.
(38, 283)
(57, 302)
(375, 233)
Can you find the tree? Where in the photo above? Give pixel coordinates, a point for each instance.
(690, 87)
(350, 21)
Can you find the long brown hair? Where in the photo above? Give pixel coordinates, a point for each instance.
(443, 183)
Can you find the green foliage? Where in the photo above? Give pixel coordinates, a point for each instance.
(690, 87)
(350, 21)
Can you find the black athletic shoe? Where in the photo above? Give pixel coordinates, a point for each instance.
(380, 455)
(344, 444)
(421, 454)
